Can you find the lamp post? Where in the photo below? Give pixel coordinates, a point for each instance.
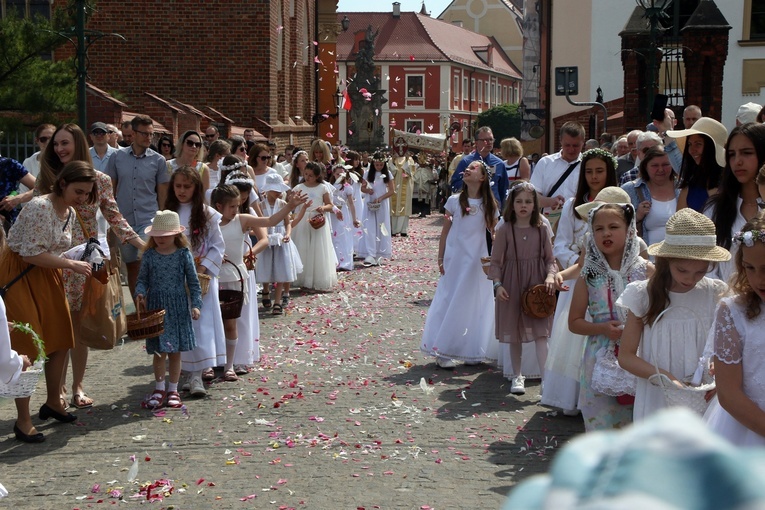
(654, 11)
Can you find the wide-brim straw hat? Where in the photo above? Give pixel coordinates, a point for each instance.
(690, 235)
(608, 195)
(166, 223)
(709, 128)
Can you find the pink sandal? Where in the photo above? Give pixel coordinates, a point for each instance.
(155, 400)
(174, 400)
(230, 376)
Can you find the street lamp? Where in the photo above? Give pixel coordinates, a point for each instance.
(345, 23)
(654, 11)
(339, 100)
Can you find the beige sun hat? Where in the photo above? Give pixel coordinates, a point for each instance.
(690, 235)
(608, 195)
(709, 128)
(165, 223)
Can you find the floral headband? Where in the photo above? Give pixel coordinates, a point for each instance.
(749, 237)
(296, 155)
(524, 186)
(235, 166)
(239, 178)
(600, 153)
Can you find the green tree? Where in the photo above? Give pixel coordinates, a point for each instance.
(30, 80)
(504, 121)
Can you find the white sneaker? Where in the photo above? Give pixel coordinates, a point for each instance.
(518, 386)
(185, 385)
(197, 387)
(369, 261)
(445, 362)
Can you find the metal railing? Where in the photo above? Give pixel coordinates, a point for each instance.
(18, 145)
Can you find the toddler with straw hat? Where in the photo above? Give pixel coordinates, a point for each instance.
(670, 314)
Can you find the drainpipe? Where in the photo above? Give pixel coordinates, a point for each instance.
(316, 68)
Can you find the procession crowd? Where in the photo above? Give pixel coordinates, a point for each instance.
(654, 242)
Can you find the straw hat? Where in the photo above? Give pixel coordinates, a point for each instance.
(608, 195)
(166, 223)
(709, 128)
(690, 235)
(274, 182)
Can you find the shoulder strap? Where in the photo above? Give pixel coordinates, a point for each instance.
(640, 194)
(4, 288)
(85, 230)
(563, 177)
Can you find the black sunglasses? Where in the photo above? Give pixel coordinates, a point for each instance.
(167, 145)
(190, 143)
(264, 158)
(242, 148)
(44, 139)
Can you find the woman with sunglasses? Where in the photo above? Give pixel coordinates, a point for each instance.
(190, 151)
(260, 157)
(166, 147)
(241, 149)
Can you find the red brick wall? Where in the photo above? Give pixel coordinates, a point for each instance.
(206, 54)
(615, 126)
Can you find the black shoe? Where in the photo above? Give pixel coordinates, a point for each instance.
(28, 438)
(404, 234)
(46, 412)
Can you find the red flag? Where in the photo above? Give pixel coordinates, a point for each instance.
(346, 100)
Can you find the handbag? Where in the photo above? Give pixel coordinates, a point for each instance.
(102, 316)
(249, 258)
(536, 302)
(317, 221)
(608, 377)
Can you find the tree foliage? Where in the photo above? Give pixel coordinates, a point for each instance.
(29, 80)
(504, 121)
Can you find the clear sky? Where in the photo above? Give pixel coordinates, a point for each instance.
(435, 7)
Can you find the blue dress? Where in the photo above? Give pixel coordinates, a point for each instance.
(163, 280)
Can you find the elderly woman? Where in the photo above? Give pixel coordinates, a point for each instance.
(69, 144)
(653, 194)
(518, 167)
(190, 151)
(42, 232)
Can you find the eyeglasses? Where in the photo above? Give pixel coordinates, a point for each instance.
(190, 143)
(210, 136)
(147, 134)
(264, 158)
(111, 132)
(166, 145)
(44, 139)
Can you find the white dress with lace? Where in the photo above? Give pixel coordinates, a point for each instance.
(738, 340)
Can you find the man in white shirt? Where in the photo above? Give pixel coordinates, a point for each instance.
(101, 151)
(43, 134)
(548, 177)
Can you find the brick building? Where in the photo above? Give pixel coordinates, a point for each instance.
(248, 62)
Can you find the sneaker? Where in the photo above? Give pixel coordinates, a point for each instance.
(197, 387)
(369, 261)
(186, 384)
(445, 362)
(518, 386)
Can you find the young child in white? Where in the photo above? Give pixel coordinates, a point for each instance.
(612, 261)
(227, 200)
(738, 411)
(185, 196)
(521, 257)
(675, 342)
(376, 243)
(460, 318)
(343, 227)
(280, 262)
(167, 269)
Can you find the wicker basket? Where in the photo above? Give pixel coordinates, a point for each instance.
(374, 206)
(204, 282)
(317, 221)
(231, 301)
(692, 397)
(485, 265)
(145, 323)
(26, 384)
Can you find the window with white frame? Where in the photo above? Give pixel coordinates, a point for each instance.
(504, 94)
(472, 89)
(414, 125)
(480, 92)
(415, 85)
(456, 91)
(486, 95)
(464, 87)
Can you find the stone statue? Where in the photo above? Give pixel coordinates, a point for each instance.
(366, 130)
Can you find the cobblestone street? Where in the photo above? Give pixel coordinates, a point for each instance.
(342, 412)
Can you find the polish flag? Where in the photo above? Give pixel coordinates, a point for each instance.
(346, 101)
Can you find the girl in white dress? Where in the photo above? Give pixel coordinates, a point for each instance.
(280, 261)
(357, 181)
(460, 321)
(738, 411)
(315, 245)
(561, 371)
(234, 226)
(675, 342)
(379, 187)
(343, 229)
(185, 196)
